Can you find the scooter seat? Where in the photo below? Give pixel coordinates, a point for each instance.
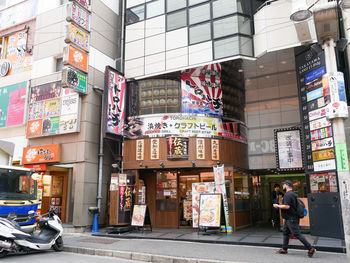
(28, 230)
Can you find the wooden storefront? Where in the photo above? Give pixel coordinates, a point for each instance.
(168, 183)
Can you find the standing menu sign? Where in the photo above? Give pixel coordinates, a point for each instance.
(317, 130)
(210, 210)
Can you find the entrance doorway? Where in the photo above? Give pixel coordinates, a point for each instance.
(185, 198)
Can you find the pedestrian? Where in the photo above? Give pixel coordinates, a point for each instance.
(291, 220)
(275, 196)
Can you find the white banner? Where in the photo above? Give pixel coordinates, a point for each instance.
(219, 177)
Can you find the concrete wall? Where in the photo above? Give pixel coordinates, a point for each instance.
(80, 149)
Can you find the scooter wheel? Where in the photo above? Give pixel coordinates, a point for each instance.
(58, 246)
(3, 253)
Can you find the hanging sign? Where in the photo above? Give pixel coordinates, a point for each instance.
(215, 150)
(177, 148)
(42, 154)
(79, 15)
(154, 149)
(139, 150)
(74, 79)
(75, 57)
(77, 36)
(200, 143)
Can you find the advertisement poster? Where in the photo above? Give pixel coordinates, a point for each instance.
(115, 102)
(122, 179)
(70, 104)
(220, 187)
(322, 144)
(197, 190)
(316, 114)
(323, 155)
(36, 110)
(51, 126)
(69, 124)
(12, 104)
(74, 80)
(78, 37)
(34, 128)
(320, 123)
(42, 154)
(57, 185)
(80, 16)
(114, 186)
(76, 58)
(177, 148)
(321, 134)
(84, 3)
(185, 125)
(138, 215)
(288, 146)
(323, 182)
(52, 108)
(210, 210)
(187, 207)
(201, 90)
(45, 91)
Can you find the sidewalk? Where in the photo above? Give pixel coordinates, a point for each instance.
(169, 251)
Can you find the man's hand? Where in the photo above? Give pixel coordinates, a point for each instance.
(275, 205)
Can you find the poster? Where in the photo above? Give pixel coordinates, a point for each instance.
(210, 210)
(323, 182)
(319, 123)
(76, 58)
(177, 148)
(36, 110)
(114, 186)
(323, 155)
(57, 186)
(51, 126)
(122, 179)
(322, 144)
(74, 80)
(321, 133)
(115, 102)
(84, 3)
(185, 125)
(288, 147)
(52, 108)
(220, 187)
(138, 215)
(77, 36)
(197, 190)
(187, 209)
(12, 104)
(80, 16)
(201, 90)
(45, 91)
(70, 104)
(34, 128)
(69, 124)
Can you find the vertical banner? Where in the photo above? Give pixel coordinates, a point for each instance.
(154, 149)
(200, 149)
(139, 150)
(201, 90)
(219, 177)
(215, 150)
(115, 101)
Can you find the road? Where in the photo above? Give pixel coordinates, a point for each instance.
(53, 257)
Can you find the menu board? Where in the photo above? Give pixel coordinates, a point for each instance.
(210, 210)
(138, 215)
(197, 190)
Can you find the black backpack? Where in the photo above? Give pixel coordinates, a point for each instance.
(300, 208)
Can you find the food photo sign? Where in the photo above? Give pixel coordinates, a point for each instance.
(197, 190)
(210, 210)
(138, 215)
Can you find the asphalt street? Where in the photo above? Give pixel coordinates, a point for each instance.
(53, 257)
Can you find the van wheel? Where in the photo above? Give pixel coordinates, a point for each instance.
(3, 253)
(58, 246)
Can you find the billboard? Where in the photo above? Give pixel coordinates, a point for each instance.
(42, 154)
(114, 101)
(52, 110)
(201, 90)
(79, 15)
(76, 58)
(74, 79)
(186, 125)
(77, 36)
(12, 104)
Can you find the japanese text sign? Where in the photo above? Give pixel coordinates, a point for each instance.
(139, 150)
(79, 15)
(154, 149)
(177, 148)
(42, 154)
(77, 36)
(215, 150)
(76, 58)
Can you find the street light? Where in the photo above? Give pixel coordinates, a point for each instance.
(301, 11)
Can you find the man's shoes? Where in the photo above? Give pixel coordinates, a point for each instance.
(282, 251)
(311, 252)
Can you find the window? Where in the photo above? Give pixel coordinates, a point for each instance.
(135, 14)
(224, 7)
(59, 64)
(155, 8)
(194, 2)
(200, 33)
(173, 5)
(244, 25)
(176, 20)
(226, 47)
(199, 14)
(225, 27)
(159, 96)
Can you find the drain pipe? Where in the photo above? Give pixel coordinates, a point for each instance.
(122, 37)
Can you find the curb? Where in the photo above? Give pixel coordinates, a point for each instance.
(139, 256)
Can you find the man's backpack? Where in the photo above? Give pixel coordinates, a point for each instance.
(300, 208)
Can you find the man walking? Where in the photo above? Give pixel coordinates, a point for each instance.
(291, 223)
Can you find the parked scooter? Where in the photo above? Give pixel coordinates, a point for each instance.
(14, 239)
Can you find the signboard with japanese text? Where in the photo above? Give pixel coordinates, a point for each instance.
(52, 111)
(114, 101)
(12, 104)
(319, 123)
(288, 149)
(323, 182)
(42, 154)
(77, 36)
(323, 155)
(200, 148)
(186, 125)
(315, 84)
(79, 15)
(324, 165)
(316, 114)
(74, 79)
(140, 150)
(125, 203)
(177, 148)
(154, 149)
(75, 57)
(215, 150)
(321, 133)
(201, 90)
(322, 144)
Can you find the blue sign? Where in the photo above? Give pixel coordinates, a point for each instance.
(319, 72)
(315, 94)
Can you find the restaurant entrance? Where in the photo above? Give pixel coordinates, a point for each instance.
(173, 196)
